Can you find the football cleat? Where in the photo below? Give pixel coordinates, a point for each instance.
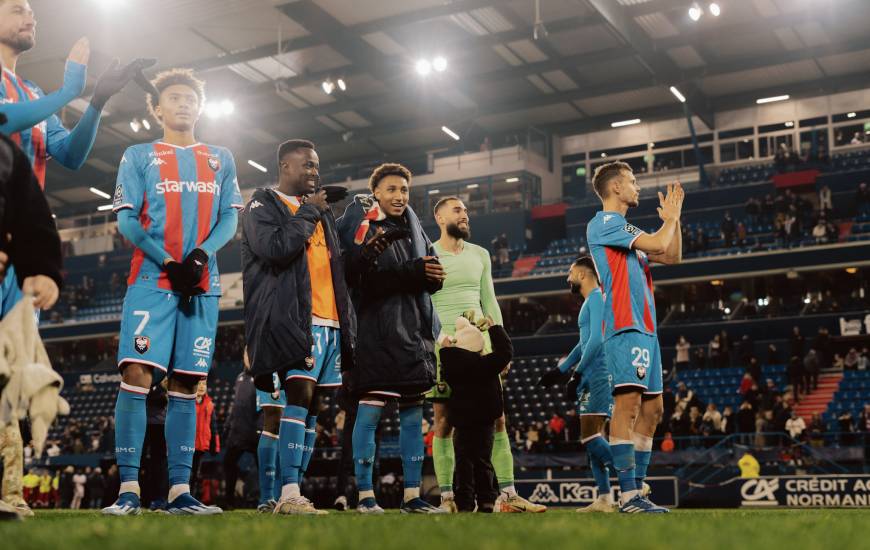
(420, 506)
(598, 505)
(8, 512)
(641, 505)
(369, 505)
(185, 505)
(515, 504)
(267, 507)
(126, 505)
(341, 503)
(20, 505)
(297, 506)
(449, 505)
(158, 506)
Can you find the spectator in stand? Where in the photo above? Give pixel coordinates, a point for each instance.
(772, 355)
(700, 359)
(817, 431)
(846, 427)
(66, 488)
(796, 343)
(556, 424)
(240, 431)
(822, 344)
(207, 439)
(667, 443)
(825, 204)
(862, 198)
(749, 466)
(711, 423)
(863, 360)
(745, 418)
(753, 209)
(79, 481)
(701, 240)
(714, 351)
(838, 363)
(811, 371)
(741, 234)
(763, 426)
(770, 395)
(856, 139)
(728, 228)
(95, 489)
(695, 425)
(864, 424)
(820, 231)
(683, 350)
(745, 350)
(679, 423)
(729, 421)
(44, 489)
(795, 426)
(533, 438)
(745, 384)
(502, 250)
(796, 376)
(833, 232)
(851, 360)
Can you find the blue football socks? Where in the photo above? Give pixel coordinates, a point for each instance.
(130, 424)
(364, 447)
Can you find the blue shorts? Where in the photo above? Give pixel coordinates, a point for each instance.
(595, 395)
(275, 398)
(635, 360)
(324, 366)
(168, 332)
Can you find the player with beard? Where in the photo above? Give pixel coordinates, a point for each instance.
(468, 289)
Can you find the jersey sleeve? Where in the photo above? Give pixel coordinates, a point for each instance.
(612, 231)
(130, 187)
(488, 301)
(231, 196)
(592, 344)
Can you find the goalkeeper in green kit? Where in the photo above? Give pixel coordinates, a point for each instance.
(467, 290)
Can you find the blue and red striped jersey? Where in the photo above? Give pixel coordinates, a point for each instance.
(625, 276)
(178, 193)
(38, 141)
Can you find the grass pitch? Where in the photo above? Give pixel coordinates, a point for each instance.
(556, 529)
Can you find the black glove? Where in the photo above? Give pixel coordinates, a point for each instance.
(334, 193)
(115, 77)
(175, 272)
(573, 384)
(552, 377)
(376, 246)
(194, 264)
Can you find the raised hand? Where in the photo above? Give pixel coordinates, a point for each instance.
(80, 52)
(671, 205)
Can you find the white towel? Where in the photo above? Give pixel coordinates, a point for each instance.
(32, 387)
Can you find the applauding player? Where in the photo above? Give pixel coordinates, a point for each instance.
(176, 201)
(622, 253)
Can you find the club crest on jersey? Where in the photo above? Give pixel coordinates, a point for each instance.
(141, 344)
(641, 372)
(309, 363)
(214, 163)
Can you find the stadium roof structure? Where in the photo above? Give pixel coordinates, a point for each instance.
(593, 62)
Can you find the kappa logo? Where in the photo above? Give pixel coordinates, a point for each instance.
(255, 204)
(607, 217)
(123, 159)
(544, 493)
(214, 163)
(202, 363)
(141, 344)
(157, 161)
(760, 492)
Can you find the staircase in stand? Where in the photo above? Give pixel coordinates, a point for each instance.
(818, 400)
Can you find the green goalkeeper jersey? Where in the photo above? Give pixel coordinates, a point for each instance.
(468, 286)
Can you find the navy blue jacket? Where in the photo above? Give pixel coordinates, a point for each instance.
(397, 321)
(277, 283)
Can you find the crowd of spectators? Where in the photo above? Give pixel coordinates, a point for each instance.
(71, 487)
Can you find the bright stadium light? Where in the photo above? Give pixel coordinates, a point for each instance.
(342, 85)
(423, 67)
(227, 107)
(439, 64)
(212, 109)
(104, 207)
(450, 132)
(328, 87)
(146, 124)
(625, 123)
(99, 193)
(695, 12)
(789, 124)
(472, 186)
(512, 180)
(434, 191)
(772, 99)
(677, 94)
(714, 8)
(258, 166)
(135, 126)
(727, 311)
(851, 115)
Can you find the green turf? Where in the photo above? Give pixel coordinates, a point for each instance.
(554, 530)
